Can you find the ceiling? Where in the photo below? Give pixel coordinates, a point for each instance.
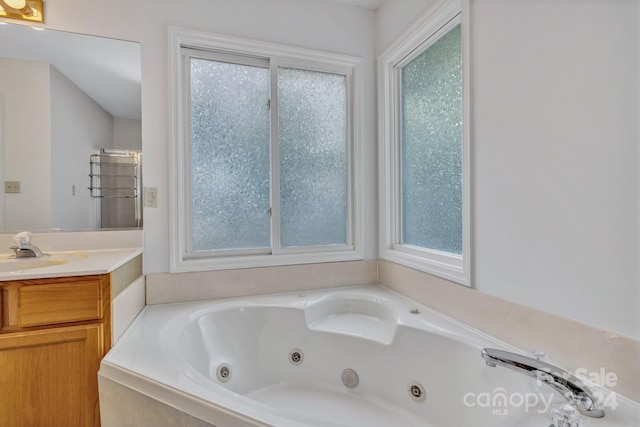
(107, 70)
(370, 4)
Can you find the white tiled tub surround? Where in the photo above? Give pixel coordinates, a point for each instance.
(197, 286)
(570, 344)
(126, 306)
(175, 349)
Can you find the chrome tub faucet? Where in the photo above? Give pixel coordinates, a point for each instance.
(557, 378)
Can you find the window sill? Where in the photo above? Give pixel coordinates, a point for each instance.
(268, 260)
(448, 267)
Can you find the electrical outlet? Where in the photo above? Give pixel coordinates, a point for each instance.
(12, 186)
(150, 197)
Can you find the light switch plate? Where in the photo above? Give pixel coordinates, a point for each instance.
(12, 186)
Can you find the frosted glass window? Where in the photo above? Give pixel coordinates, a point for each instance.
(230, 196)
(263, 143)
(431, 145)
(312, 135)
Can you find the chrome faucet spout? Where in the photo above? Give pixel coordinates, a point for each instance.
(27, 251)
(560, 380)
(23, 246)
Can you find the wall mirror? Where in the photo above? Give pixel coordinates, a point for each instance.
(70, 131)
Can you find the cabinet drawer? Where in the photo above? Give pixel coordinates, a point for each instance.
(59, 302)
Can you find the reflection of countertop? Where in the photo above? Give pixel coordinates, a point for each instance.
(78, 263)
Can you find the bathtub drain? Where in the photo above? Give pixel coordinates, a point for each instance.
(223, 373)
(296, 356)
(350, 378)
(416, 391)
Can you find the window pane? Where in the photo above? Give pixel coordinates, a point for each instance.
(312, 130)
(432, 146)
(229, 156)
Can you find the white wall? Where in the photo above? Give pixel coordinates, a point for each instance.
(556, 192)
(50, 127)
(26, 152)
(555, 105)
(305, 23)
(127, 134)
(557, 223)
(78, 126)
(393, 17)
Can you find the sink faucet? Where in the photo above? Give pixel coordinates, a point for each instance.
(23, 246)
(560, 380)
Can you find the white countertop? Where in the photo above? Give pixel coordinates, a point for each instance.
(71, 263)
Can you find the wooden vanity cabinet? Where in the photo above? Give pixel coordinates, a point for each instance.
(53, 335)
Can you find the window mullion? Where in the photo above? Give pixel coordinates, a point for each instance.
(275, 160)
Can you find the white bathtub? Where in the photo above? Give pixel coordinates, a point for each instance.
(280, 360)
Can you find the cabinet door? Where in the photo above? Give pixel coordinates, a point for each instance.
(48, 377)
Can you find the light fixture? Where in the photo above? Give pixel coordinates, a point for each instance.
(16, 4)
(26, 10)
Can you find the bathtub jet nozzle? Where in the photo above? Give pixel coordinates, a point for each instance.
(223, 372)
(350, 378)
(557, 378)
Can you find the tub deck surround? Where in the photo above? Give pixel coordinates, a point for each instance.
(197, 286)
(571, 344)
(280, 360)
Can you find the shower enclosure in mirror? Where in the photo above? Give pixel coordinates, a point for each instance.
(63, 98)
(115, 187)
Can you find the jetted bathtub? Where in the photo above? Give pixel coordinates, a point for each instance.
(360, 356)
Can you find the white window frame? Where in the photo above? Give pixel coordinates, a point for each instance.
(183, 260)
(436, 22)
